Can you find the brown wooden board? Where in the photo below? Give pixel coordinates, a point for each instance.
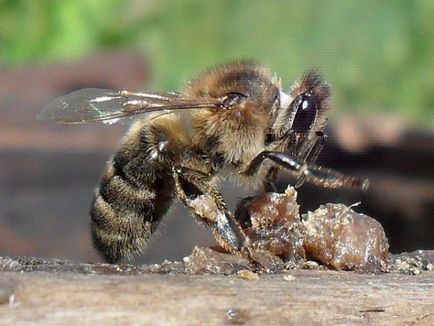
(308, 297)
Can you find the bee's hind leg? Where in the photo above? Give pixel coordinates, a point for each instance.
(195, 189)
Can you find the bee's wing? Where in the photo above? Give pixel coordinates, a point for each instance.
(96, 104)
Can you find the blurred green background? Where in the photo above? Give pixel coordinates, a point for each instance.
(378, 55)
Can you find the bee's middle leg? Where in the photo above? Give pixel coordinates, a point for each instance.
(196, 191)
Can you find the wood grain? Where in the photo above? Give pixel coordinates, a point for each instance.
(313, 297)
(309, 297)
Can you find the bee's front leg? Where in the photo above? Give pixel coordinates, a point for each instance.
(318, 175)
(196, 190)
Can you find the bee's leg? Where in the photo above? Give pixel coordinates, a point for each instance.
(194, 190)
(306, 151)
(315, 174)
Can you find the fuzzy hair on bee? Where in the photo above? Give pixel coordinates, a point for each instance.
(231, 121)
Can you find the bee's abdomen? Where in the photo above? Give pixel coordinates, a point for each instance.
(124, 215)
(136, 191)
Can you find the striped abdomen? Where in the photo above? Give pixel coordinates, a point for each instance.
(136, 191)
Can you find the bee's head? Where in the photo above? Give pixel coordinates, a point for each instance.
(303, 110)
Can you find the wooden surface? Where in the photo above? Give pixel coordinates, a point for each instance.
(309, 297)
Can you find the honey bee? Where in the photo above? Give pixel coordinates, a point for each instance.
(233, 121)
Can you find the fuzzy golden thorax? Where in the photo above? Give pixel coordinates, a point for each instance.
(236, 134)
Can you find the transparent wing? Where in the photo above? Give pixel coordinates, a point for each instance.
(96, 104)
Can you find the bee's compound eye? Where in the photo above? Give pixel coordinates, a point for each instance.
(306, 113)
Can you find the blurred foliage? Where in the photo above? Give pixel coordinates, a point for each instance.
(378, 55)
